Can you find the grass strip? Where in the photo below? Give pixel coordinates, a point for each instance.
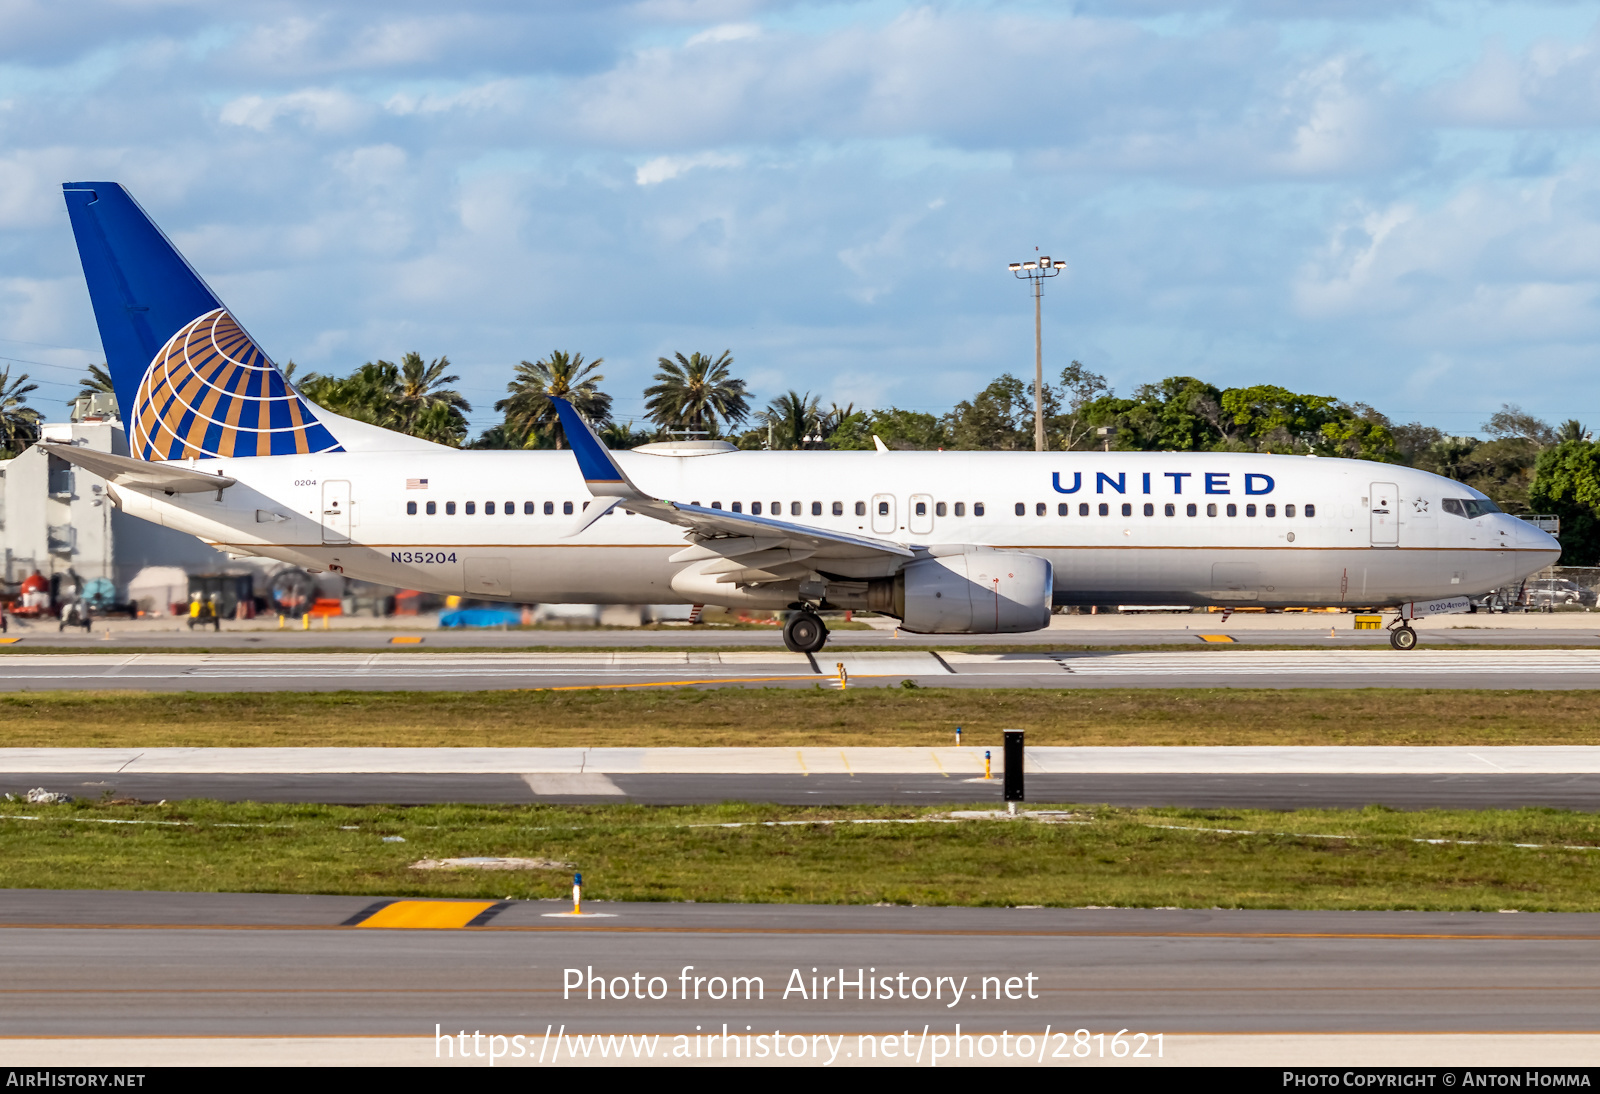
(796, 717)
(1311, 859)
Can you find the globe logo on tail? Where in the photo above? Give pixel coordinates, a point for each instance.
(211, 391)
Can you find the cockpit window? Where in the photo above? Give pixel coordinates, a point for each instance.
(1469, 507)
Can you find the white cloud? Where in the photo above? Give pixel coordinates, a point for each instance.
(1552, 84)
(318, 108)
(1499, 263)
(500, 94)
(1236, 199)
(727, 32)
(663, 168)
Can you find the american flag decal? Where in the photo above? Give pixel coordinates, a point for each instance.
(416, 484)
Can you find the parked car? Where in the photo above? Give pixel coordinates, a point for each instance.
(1557, 590)
(1495, 600)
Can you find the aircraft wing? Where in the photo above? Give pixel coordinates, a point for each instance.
(169, 478)
(755, 548)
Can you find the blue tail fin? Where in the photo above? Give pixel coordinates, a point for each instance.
(190, 382)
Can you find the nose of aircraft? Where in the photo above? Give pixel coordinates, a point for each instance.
(1532, 538)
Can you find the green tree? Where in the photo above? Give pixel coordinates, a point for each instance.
(529, 411)
(1448, 456)
(623, 435)
(421, 394)
(1178, 414)
(98, 382)
(1512, 421)
(1414, 443)
(19, 422)
(500, 437)
(998, 418)
(1566, 482)
(1071, 431)
(369, 394)
(696, 393)
(440, 423)
(411, 397)
(791, 418)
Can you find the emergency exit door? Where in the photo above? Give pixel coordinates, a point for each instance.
(1384, 501)
(883, 514)
(336, 511)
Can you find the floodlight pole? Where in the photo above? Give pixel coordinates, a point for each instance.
(1035, 272)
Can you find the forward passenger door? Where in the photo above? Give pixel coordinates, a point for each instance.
(1385, 505)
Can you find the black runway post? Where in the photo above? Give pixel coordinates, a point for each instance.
(1013, 766)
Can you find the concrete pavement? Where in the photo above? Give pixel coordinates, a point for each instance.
(159, 973)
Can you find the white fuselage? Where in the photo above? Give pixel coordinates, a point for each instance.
(1360, 533)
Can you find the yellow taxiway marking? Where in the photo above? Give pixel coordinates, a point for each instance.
(847, 767)
(937, 764)
(1215, 638)
(804, 770)
(9, 641)
(406, 640)
(432, 914)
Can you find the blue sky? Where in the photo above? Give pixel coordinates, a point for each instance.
(1394, 202)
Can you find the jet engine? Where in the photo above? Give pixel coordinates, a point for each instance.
(972, 590)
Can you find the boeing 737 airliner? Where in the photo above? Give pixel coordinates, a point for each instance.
(224, 448)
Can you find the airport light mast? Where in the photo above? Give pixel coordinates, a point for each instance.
(1035, 272)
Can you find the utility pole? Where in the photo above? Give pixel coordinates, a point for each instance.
(1035, 272)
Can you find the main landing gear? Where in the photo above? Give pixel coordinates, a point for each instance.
(803, 631)
(1402, 637)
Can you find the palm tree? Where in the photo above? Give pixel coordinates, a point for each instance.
(692, 392)
(793, 417)
(440, 423)
(421, 390)
(563, 375)
(369, 394)
(98, 382)
(1572, 430)
(19, 422)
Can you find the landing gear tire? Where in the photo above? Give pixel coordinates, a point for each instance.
(804, 632)
(1403, 638)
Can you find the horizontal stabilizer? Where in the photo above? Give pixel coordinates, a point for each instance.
(169, 478)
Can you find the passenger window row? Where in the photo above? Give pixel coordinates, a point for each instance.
(796, 508)
(799, 509)
(1064, 509)
(470, 508)
(939, 509)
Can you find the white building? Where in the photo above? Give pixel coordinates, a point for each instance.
(57, 519)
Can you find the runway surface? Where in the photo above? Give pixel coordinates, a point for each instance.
(179, 965)
(1270, 778)
(1216, 667)
(1580, 792)
(1320, 631)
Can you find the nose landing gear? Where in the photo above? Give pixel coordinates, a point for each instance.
(803, 632)
(1402, 637)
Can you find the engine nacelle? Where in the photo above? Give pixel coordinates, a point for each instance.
(975, 591)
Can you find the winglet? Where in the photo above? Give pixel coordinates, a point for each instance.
(600, 470)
